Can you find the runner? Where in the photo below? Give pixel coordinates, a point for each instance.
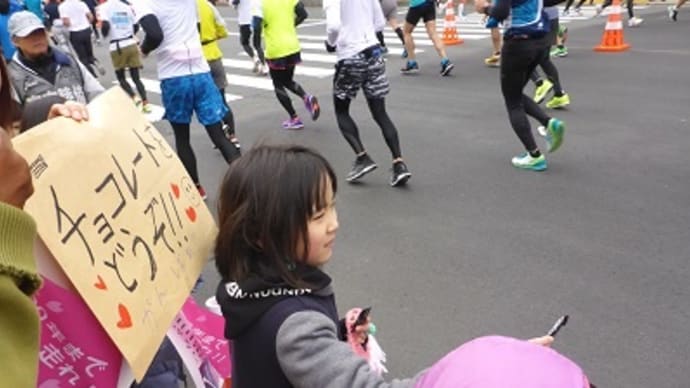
(170, 28)
(425, 10)
(673, 10)
(525, 45)
(560, 50)
(118, 24)
(77, 18)
(256, 38)
(390, 11)
(494, 60)
(279, 21)
(351, 26)
(212, 28)
(543, 86)
(632, 20)
(244, 19)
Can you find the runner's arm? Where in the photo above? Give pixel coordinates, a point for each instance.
(300, 13)
(153, 34)
(332, 9)
(499, 11)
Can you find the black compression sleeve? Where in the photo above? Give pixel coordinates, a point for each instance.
(300, 13)
(154, 34)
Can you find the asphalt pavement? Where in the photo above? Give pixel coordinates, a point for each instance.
(472, 246)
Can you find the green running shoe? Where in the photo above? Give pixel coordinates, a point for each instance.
(554, 134)
(559, 52)
(557, 102)
(526, 161)
(541, 91)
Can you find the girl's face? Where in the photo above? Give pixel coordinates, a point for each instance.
(321, 229)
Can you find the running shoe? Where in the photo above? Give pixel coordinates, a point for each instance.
(293, 123)
(598, 10)
(312, 105)
(362, 166)
(384, 50)
(565, 12)
(404, 54)
(578, 11)
(526, 161)
(559, 51)
(411, 67)
(558, 102)
(493, 60)
(400, 174)
(554, 134)
(635, 21)
(446, 67)
(541, 91)
(257, 66)
(146, 107)
(672, 13)
(201, 190)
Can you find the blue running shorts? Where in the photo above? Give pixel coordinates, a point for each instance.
(189, 94)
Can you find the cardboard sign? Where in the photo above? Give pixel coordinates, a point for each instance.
(197, 334)
(116, 207)
(75, 351)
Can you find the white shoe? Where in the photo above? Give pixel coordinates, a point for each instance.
(598, 10)
(634, 22)
(257, 66)
(263, 69)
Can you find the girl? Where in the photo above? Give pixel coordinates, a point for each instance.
(278, 221)
(278, 224)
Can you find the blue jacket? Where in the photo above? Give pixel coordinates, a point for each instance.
(7, 49)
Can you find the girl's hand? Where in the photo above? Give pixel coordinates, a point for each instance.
(362, 332)
(546, 340)
(69, 109)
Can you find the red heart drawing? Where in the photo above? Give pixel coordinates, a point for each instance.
(100, 284)
(125, 320)
(191, 213)
(176, 190)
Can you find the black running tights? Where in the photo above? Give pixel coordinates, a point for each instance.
(134, 73)
(256, 39)
(551, 73)
(283, 79)
(377, 107)
(81, 42)
(245, 34)
(186, 153)
(628, 3)
(519, 58)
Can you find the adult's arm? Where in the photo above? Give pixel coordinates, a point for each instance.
(499, 10)
(332, 9)
(311, 355)
(300, 13)
(19, 324)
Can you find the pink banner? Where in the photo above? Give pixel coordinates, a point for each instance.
(75, 350)
(197, 333)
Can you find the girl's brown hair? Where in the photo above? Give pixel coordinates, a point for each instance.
(266, 200)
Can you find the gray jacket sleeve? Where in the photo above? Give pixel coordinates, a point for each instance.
(311, 355)
(92, 88)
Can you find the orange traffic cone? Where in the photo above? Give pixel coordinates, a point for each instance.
(450, 31)
(612, 40)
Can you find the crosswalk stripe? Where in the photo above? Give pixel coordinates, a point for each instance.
(318, 72)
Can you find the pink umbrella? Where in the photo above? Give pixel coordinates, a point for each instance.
(502, 362)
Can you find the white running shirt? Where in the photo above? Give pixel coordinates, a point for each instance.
(75, 11)
(244, 12)
(352, 28)
(120, 16)
(180, 52)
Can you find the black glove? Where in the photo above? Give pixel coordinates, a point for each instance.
(329, 48)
